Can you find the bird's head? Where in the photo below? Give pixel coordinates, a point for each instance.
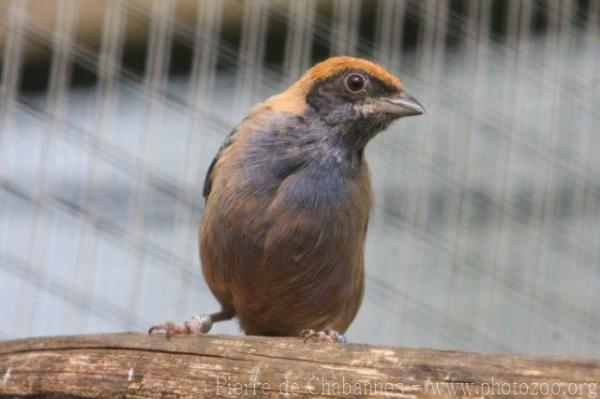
(355, 96)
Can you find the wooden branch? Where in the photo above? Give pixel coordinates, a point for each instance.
(117, 365)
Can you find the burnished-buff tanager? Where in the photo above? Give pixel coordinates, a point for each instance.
(288, 198)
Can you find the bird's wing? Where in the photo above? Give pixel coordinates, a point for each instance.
(208, 179)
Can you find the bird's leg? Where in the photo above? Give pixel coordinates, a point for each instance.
(327, 335)
(196, 325)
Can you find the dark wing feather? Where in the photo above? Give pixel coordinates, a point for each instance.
(208, 178)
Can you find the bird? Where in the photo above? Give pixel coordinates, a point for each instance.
(287, 204)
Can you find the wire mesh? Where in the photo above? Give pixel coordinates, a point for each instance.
(487, 221)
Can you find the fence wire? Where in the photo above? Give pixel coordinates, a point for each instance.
(486, 230)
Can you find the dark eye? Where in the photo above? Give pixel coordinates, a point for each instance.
(355, 82)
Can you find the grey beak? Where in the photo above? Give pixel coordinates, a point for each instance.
(400, 106)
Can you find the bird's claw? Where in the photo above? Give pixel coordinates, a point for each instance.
(197, 325)
(167, 329)
(328, 335)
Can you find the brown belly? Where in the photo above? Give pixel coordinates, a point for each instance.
(282, 274)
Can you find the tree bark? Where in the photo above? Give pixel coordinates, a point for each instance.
(135, 365)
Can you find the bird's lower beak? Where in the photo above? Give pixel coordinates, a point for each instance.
(400, 106)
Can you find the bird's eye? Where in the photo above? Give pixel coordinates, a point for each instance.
(355, 82)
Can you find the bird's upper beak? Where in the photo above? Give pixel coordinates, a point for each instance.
(400, 105)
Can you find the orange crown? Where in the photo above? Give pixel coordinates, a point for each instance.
(335, 65)
(292, 100)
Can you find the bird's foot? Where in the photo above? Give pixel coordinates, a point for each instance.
(196, 325)
(328, 335)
